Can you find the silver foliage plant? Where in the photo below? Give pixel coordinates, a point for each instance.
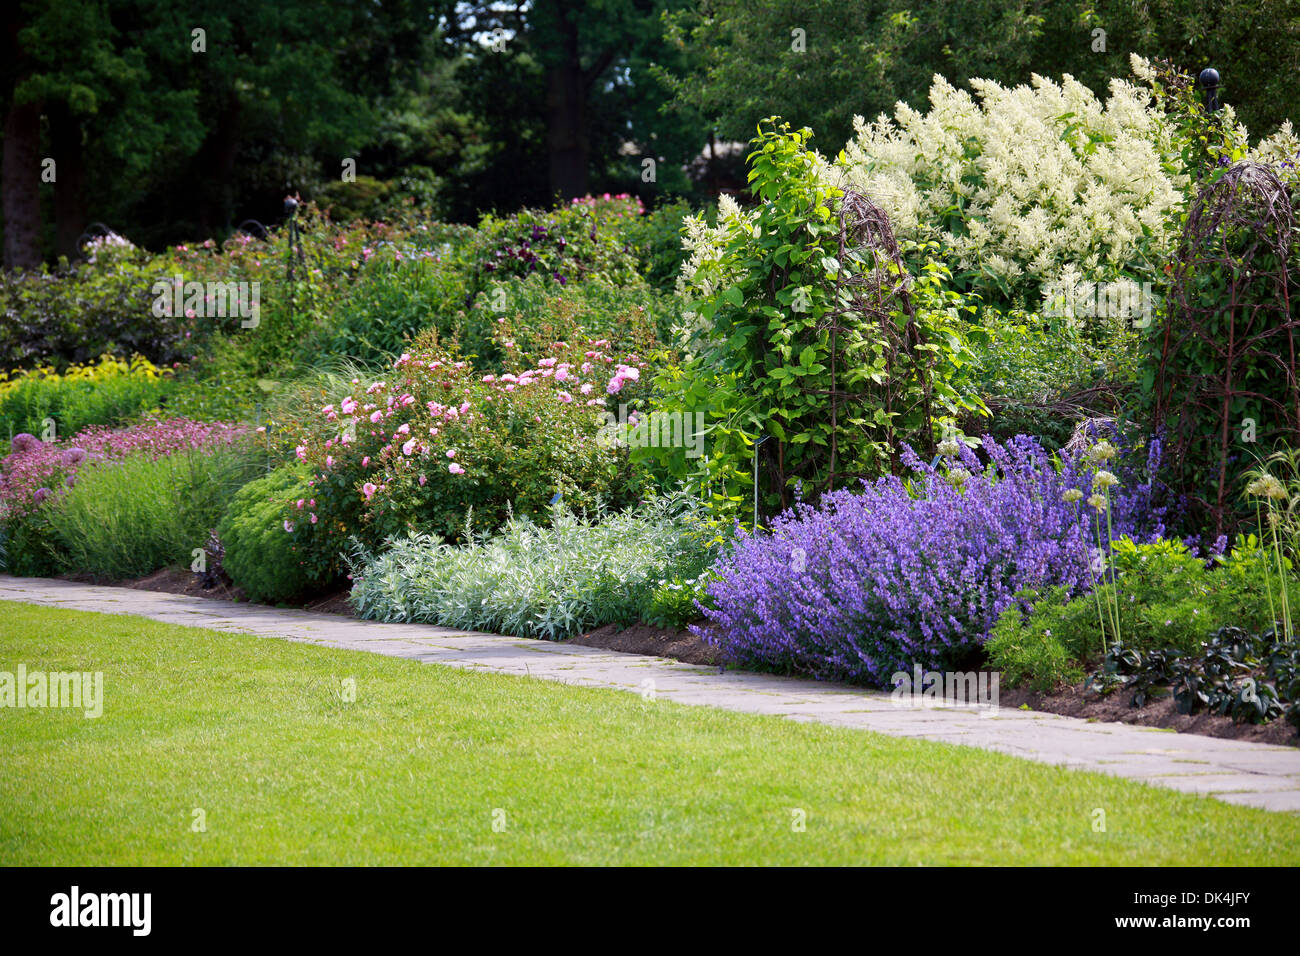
(529, 580)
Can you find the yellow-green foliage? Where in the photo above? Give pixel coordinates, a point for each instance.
(110, 392)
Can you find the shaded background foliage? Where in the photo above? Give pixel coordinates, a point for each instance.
(164, 144)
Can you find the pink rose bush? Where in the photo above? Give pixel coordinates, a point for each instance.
(435, 446)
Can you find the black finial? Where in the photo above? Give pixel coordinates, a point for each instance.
(290, 206)
(1210, 82)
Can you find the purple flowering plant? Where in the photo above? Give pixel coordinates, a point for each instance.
(866, 583)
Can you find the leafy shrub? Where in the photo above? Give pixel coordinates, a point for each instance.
(526, 318)
(1169, 598)
(865, 584)
(226, 389)
(1032, 653)
(370, 199)
(656, 238)
(436, 446)
(1164, 596)
(111, 392)
(395, 298)
(765, 286)
(676, 601)
(582, 238)
(259, 552)
(77, 313)
(1035, 373)
(304, 298)
(533, 581)
(123, 518)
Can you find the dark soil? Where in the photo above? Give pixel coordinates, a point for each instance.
(176, 581)
(657, 641)
(1077, 702)
(179, 581)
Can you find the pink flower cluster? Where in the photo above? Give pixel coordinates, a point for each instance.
(35, 470)
(623, 204)
(385, 432)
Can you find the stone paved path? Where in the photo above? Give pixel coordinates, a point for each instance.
(1253, 774)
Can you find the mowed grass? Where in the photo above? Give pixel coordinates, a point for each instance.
(255, 733)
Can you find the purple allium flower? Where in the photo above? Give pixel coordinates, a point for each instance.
(23, 443)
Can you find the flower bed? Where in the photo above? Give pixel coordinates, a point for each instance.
(906, 571)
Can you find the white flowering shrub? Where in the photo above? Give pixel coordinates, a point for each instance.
(1029, 188)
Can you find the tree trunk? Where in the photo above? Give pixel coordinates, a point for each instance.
(70, 219)
(566, 125)
(217, 160)
(21, 177)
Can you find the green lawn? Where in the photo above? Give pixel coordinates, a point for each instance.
(255, 732)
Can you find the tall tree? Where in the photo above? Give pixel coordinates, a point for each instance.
(583, 54)
(821, 62)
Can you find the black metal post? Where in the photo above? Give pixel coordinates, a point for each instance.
(1210, 83)
(291, 210)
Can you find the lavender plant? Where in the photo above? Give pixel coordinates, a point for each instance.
(916, 570)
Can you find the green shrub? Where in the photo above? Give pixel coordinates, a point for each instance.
(127, 518)
(111, 392)
(1033, 372)
(1028, 652)
(674, 601)
(656, 238)
(434, 446)
(78, 313)
(767, 286)
(260, 555)
(533, 581)
(369, 198)
(392, 301)
(1165, 596)
(533, 314)
(581, 238)
(29, 549)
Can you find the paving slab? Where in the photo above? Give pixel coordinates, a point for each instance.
(1235, 771)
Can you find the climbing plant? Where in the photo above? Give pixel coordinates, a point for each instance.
(1225, 355)
(813, 352)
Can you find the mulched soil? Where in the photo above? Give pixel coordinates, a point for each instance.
(656, 641)
(684, 646)
(1077, 702)
(176, 581)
